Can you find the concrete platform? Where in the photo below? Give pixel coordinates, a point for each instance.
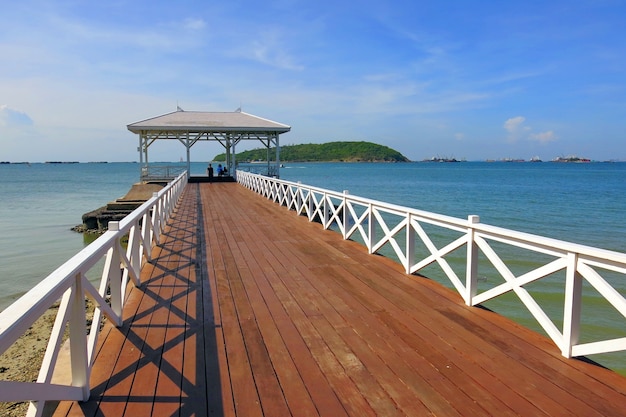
(204, 178)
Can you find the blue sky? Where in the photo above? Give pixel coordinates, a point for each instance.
(464, 79)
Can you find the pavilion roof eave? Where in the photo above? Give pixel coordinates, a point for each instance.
(196, 129)
(208, 122)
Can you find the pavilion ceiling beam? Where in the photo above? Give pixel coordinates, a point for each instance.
(267, 138)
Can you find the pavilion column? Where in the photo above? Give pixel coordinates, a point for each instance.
(140, 150)
(233, 165)
(144, 147)
(277, 156)
(143, 155)
(228, 152)
(188, 146)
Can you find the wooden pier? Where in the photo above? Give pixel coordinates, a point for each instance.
(250, 310)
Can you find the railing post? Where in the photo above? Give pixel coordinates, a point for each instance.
(326, 210)
(311, 206)
(471, 271)
(146, 233)
(156, 219)
(134, 251)
(572, 305)
(299, 198)
(344, 216)
(78, 338)
(115, 274)
(371, 220)
(410, 244)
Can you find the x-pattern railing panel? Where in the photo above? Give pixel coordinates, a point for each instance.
(516, 284)
(438, 255)
(359, 221)
(333, 205)
(302, 202)
(389, 232)
(293, 197)
(316, 205)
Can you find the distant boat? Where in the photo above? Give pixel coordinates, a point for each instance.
(438, 159)
(535, 159)
(574, 159)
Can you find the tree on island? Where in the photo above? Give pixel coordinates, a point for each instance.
(325, 152)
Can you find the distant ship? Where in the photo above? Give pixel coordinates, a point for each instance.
(533, 159)
(438, 159)
(571, 159)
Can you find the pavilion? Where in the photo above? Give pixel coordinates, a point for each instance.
(189, 127)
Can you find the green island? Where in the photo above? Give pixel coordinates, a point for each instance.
(325, 152)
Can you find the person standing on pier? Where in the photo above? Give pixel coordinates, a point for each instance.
(209, 172)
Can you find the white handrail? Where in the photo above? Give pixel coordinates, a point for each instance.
(69, 283)
(380, 224)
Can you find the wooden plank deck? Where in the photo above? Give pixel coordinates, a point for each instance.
(250, 310)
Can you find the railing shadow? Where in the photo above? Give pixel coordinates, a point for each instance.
(197, 373)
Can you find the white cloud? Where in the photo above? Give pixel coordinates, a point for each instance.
(515, 127)
(544, 137)
(517, 130)
(513, 124)
(13, 118)
(271, 49)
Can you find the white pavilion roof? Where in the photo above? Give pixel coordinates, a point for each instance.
(210, 122)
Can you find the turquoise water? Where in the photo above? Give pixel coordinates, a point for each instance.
(41, 203)
(582, 203)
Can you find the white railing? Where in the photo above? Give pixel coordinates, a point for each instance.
(69, 284)
(161, 172)
(413, 237)
(259, 168)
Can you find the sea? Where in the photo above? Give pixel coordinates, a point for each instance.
(578, 202)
